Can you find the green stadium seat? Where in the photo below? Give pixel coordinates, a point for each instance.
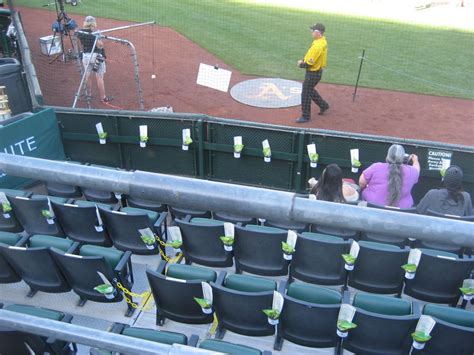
(438, 277)
(95, 266)
(309, 317)
(317, 259)
(384, 325)
(174, 290)
(453, 332)
(239, 301)
(378, 268)
(28, 211)
(8, 221)
(123, 228)
(257, 249)
(35, 264)
(20, 343)
(202, 244)
(79, 222)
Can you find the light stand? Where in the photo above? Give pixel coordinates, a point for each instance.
(63, 25)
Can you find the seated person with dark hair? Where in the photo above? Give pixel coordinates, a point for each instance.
(451, 199)
(331, 187)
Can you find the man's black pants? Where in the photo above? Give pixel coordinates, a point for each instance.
(309, 93)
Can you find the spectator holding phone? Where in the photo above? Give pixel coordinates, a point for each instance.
(390, 183)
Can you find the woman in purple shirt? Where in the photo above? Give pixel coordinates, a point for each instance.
(390, 183)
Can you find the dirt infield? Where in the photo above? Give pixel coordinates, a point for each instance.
(175, 60)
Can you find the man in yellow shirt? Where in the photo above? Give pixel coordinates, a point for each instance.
(314, 61)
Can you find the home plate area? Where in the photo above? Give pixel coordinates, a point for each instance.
(268, 92)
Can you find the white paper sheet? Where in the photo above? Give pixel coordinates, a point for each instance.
(277, 301)
(214, 78)
(291, 238)
(175, 234)
(143, 130)
(425, 324)
(346, 312)
(99, 128)
(414, 256)
(354, 249)
(207, 292)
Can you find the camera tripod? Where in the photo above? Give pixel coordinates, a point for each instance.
(62, 27)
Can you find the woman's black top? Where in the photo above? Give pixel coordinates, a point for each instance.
(87, 41)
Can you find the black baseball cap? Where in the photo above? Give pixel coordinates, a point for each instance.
(318, 27)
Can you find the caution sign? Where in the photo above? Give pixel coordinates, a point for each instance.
(439, 159)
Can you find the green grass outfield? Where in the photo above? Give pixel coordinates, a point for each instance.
(268, 40)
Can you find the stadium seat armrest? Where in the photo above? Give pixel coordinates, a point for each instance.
(161, 219)
(73, 248)
(70, 201)
(117, 328)
(116, 207)
(187, 218)
(193, 340)
(123, 261)
(282, 286)
(416, 308)
(161, 267)
(346, 297)
(67, 318)
(221, 278)
(23, 241)
(29, 194)
(239, 224)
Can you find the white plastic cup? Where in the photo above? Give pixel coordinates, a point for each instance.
(273, 321)
(342, 334)
(142, 144)
(355, 170)
(267, 159)
(50, 220)
(467, 297)
(206, 310)
(110, 296)
(150, 247)
(313, 165)
(409, 275)
(184, 147)
(287, 256)
(228, 247)
(236, 155)
(99, 228)
(102, 140)
(118, 195)
(7, 216)
(349, 267)
(417, 345)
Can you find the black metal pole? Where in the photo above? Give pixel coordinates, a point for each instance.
(358, 75)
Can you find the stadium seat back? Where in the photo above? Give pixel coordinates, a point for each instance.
(202, 244)
(317, 259)
(378, 268)
(257, 249)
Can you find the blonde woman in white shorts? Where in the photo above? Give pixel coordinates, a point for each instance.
(92, 56)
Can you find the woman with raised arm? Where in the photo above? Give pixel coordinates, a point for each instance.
(390, 183)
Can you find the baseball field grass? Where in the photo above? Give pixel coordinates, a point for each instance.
(268, 40)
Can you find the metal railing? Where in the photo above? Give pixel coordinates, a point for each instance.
(242, 200)
(91, 337)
